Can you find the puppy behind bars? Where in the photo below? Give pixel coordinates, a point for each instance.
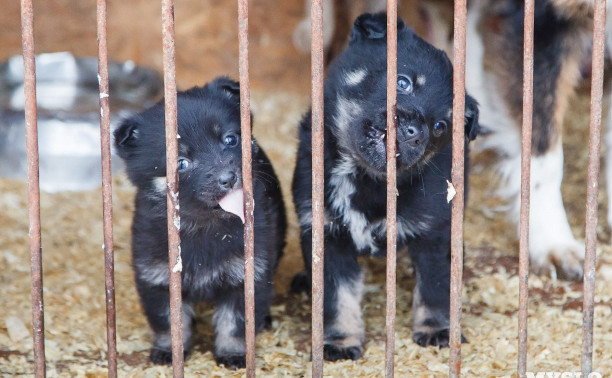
(355, 180)
(211, 210)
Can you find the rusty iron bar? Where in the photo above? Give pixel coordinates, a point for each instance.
(593, 185)
(391, 186)
(318, 198)
(458, 182)
(525, 186)
(247, 186)
(175, 265)
(107, 189)
(36, 275)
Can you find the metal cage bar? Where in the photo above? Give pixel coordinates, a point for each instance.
(458, 182)
(318, 199)
(36, 274)
(318, 189)
(175, 265)
(525, 186)
(107, 188)
(247, 186)
(391, 186)
(597, 78)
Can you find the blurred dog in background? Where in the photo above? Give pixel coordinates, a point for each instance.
(562, 41)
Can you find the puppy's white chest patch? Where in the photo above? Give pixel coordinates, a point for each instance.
(364, 232)
(343, 188)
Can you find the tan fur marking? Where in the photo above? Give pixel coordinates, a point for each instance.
(349, 321)
(566, 84)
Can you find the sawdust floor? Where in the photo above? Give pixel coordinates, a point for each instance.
(74, 286)
(206, 46)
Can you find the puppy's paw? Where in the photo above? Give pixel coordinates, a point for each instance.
(232, 362)
(335, 353)
(163, 357)
(426, 336)
(300, 283)
(561, 261)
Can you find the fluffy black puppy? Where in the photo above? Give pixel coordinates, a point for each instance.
(355, 179)
(211, 239)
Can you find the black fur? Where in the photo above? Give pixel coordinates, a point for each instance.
(355, 178)
(211, 239)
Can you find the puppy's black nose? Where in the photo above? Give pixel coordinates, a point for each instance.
(414, 135)
(410, 128)
(227, 180)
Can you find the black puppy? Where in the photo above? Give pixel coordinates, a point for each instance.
(212, 243)
(355, 179)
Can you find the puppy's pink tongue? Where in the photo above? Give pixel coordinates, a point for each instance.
(233, 203)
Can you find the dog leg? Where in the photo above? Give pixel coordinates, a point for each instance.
(156, 305)
(431, 296)
(344, 329)
(230, 347)
(553, 250)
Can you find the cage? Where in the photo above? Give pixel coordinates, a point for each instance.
(207, 45)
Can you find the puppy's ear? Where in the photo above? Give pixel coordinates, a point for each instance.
(126, 135)
(472, 128)
(231, 87)
(372, 26)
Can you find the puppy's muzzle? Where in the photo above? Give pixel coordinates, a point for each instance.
(411, 128)
(227, 180)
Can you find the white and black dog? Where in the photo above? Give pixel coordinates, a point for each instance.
(494, 76)
(212, 244)
(355, 179)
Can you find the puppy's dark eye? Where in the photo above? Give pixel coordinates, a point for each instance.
(231, 140)
(439, 128)
(404, 84)
(183, 164)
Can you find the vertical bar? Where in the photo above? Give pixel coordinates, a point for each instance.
(107, 195)
(316, 53)
(525, 186)
(457, 177)
(175, 265)
(391, 185)
(247, 185)
(593, 185)
(29, 85)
